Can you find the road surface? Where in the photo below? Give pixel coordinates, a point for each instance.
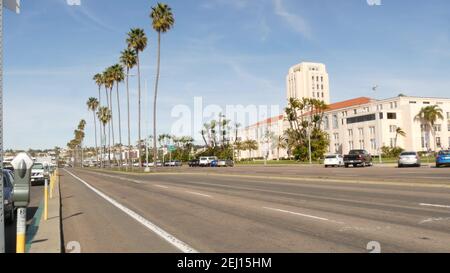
(259, 210)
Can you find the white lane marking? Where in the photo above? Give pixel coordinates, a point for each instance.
(434, 205)
(161, 186)
(182, 246)
(298, 214)
(121, 178)
(201, 194)
(429, 220)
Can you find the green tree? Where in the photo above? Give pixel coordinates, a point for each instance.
(250, 145)
(118, 76)
(137, 41)
(92, 105)
(104, 115)
(162, 21)
(399, 132)
(128, 60)
(428, 116)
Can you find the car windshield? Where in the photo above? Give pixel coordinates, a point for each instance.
(356, 152)
(408, 153)
(444, 152)
(38, 167)
(330, 157)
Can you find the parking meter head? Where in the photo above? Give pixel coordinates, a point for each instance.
(22, 164)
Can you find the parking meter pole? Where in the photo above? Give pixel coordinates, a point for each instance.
(21, 229)
(46, 200)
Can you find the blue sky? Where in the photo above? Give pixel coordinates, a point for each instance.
(226, 51)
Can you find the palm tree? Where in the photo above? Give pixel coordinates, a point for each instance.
(137, 40)
(250, 145)
(79, 136)
(280, 143)
(399, 132)
(128, 60)
(92, 105)
(118, 75)
(428, 116)
(98, 78)
(104, 115)
(107, 83)
(162, 21)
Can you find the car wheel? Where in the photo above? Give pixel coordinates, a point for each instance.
(346, 165)
(400, 165)
(438, 165)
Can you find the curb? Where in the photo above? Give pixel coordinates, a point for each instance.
(45, 236)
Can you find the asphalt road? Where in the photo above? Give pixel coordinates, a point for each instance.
(37, 195)
(277, 209)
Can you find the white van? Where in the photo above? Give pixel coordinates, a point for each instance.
(205, 161)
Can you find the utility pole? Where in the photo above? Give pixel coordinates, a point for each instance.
(13, 5)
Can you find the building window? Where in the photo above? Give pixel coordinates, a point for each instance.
(321, 78)
(392, 105)
(381, 115)
(361, 144)
(392, 115)
(350, 133)
(372, 131)
(392, 128)
(361, 119)
(335, 122)
(361, 132)
(438, 142)
(350, 145)
(412, 102)
(336, 137)
(448, 115)
(392, 142)
(326, 123)
(373, 144)
(355, 111)
(448, 141)
(438, 128)
(422, 140)
(426, 102)
(448, 127)
(380, 107)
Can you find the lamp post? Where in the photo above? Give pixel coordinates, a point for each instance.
(13, 5)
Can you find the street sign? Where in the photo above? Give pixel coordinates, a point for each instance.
(171, 148)
(13, 5)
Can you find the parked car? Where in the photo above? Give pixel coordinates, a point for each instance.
(214, 163)
(174, 163)
(443, 158)
(225, 163)
(8, 191)
(333, 161)
(194, 163)
(409, 159)
(38, 174)
(205, 161)
(358, 158)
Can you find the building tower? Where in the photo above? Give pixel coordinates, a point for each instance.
(308, 80)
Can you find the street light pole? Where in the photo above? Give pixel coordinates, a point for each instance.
(13, 5)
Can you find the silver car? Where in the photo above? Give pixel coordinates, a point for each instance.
(409, 159)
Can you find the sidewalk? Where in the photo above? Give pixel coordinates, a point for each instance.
(45, 236)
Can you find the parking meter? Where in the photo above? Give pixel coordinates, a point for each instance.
(22, 164)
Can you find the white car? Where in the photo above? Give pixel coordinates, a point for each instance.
(205, 161)
(334, 161)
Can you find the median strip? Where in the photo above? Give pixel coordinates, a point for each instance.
(182, 246)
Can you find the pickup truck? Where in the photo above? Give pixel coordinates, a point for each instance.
(358, 158)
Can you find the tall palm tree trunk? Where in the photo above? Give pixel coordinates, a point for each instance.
(129, 162)
(155, 152)
(139, 107)
(95, 127)
(109, 133)
(120, 126)
(99, 151)
(112, 125)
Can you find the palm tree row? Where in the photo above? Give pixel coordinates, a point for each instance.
(136, 43)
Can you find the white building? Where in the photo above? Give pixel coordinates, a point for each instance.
(308, 80)
(360, 123)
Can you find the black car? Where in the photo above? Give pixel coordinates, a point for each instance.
(358, 158)
(194, 163)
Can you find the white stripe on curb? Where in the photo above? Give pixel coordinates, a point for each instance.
(159, 231)
(200, 194)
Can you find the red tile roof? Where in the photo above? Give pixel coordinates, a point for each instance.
(348, 103)
(331, 107)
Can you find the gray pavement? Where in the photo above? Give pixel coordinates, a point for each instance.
(258, 209)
